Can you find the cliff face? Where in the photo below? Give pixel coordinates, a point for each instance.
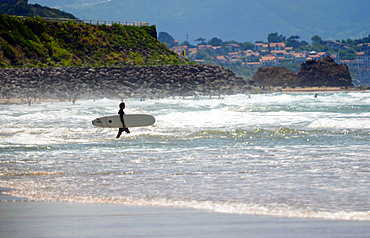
(324, 72)
(313, 73)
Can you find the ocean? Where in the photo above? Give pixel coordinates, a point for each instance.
(288, 155)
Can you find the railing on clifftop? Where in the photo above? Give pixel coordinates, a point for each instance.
(94, 22)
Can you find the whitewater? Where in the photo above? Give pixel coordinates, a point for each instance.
(289, 155)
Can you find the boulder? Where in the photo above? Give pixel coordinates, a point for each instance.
(274, 76)
(324, 72)
(313, 73)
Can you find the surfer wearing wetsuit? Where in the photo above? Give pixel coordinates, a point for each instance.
(121, 113)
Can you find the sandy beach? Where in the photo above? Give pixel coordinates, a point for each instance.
(22, 218)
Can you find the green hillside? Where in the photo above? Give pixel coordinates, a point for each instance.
(34, 42)
(22, 8)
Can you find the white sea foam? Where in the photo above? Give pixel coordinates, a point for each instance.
(341, 123)
(274, 154)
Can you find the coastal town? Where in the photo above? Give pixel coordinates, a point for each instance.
(272, 54)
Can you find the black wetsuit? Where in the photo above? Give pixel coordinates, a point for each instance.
(122, 129)
(121, 113)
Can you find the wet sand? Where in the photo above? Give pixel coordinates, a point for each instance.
(283, 90)
(322, 89)
(22, 218)
(25, 101)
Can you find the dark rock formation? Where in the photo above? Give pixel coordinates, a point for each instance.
(324, 72)
(119, 82)
(313, 73)
(274, 76)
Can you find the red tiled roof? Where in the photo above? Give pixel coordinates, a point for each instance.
(281, 44)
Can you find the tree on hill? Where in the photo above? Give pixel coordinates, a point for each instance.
(166, 38)
(317, 40)
(292, 41)
(275, 38)
(247, 46)
(200, 40)
(215, 42)
(22, 8)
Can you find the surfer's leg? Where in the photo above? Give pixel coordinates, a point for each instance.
(120, 130)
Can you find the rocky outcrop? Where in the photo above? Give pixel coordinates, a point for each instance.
(274, 76)
(324, 72)
(113, 82)
(313, 73)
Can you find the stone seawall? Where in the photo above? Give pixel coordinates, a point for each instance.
(119, 82)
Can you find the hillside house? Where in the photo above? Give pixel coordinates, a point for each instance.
(200, 47)
(269, 61)
(316, 56)
(279, 53)
(233, 47)
(288, 49)
(221, 59)
(234, 55)
(277, 46)
(361, 68)
(337, 45)
(364, 46)
(260, 46)
(250, 55)
(299, 57)
(364, 56)
(214, 49)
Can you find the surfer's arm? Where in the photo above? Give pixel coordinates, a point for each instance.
(123, 122)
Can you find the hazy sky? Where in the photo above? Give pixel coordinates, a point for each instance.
(240, 20)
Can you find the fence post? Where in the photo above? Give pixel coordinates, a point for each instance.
(91, 22)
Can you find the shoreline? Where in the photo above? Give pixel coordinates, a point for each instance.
(22, 217)
(324, 89)
(13, 100)
(4, 101)
(62, 219)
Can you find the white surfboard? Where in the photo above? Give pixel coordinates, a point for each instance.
(131, 120)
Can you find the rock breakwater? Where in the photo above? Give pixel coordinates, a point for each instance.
(119, 82)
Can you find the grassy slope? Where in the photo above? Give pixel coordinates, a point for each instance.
(33, 42)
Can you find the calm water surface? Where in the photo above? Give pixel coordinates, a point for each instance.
(278, 154)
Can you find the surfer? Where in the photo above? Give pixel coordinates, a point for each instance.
(121, 113)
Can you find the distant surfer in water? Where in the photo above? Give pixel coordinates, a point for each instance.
(121, 113)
